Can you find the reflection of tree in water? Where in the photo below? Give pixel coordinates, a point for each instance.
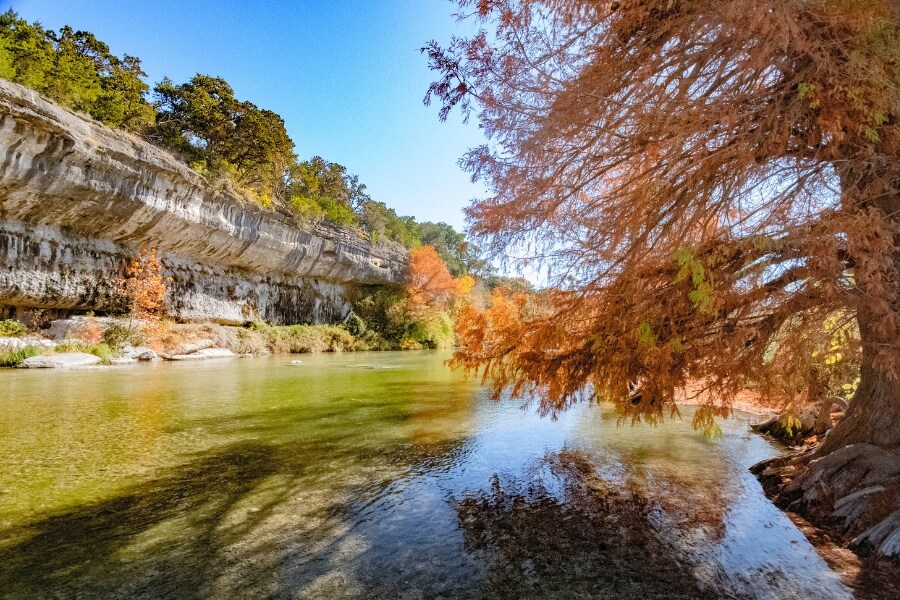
(586, 540)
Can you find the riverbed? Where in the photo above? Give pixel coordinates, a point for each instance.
(372, 475)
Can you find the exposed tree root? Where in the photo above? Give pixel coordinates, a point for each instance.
(855, 490)
(793, 427)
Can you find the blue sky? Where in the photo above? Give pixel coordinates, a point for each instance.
(346, 76)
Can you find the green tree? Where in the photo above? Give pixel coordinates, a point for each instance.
(76, 70)
(460, 255)
(123, 101)
(28, 53)
(79, 62)
(202, 120)
(381, 221)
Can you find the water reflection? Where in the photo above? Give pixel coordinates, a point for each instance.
(335, 479)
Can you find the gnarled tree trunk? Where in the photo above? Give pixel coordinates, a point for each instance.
(853, 478)
(874, 413)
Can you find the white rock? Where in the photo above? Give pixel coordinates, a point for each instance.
(67, 360)
(140, 353)
(122, 191)
(203, 354)
(40, 342)
(11, 343)
(192, 347)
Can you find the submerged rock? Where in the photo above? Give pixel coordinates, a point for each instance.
(66, 360)
(122, 360)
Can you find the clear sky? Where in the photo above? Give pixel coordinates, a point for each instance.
(346, 75)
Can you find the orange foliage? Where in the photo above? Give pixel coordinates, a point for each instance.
(710, 185)
(429, 283)
(144, 290)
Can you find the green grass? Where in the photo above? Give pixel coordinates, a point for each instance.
(102, 351)
(13, 358)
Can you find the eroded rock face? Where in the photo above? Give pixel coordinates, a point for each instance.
(78, 200)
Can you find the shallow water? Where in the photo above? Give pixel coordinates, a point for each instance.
(378, 475)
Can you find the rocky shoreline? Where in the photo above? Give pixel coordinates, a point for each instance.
(85, 342)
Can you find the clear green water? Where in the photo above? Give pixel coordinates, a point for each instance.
(370, 476)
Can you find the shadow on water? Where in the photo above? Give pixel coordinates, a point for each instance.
(583, 540)
(236, 520)
(84, 551)
(210, 526)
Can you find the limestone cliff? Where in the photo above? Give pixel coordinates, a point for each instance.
(78, 199)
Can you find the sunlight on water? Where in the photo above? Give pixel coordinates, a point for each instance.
(370, 475)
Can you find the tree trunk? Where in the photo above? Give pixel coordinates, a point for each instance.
(874, 413)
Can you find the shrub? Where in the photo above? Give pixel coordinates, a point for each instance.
(301, 339)
(12, 328)
(103, 352)
(372, 340)
(245, 341)
(355, 324)
(89, 332)
(72, 345)
(118, 335)
(430, 331)
(13, 358)
(307, 208)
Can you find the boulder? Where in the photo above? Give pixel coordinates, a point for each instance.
(191, 347)
(66, 360)
(206, 353)
(59, 328)
(140, 353)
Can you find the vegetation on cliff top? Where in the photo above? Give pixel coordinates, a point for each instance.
(230, 141)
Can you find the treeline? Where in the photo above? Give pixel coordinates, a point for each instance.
(226, 139)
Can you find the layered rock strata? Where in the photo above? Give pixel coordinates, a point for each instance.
(78, 200)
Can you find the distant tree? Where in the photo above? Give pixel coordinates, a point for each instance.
(381, 221)
(704, 178)
(317, 177)
(453, 247)
(122, 102)
(318, 188)
(27, 51)
(79, 62)
(429, 283)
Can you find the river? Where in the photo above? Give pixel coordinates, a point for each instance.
(371, 475)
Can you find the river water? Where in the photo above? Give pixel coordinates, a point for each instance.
(371, 475)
